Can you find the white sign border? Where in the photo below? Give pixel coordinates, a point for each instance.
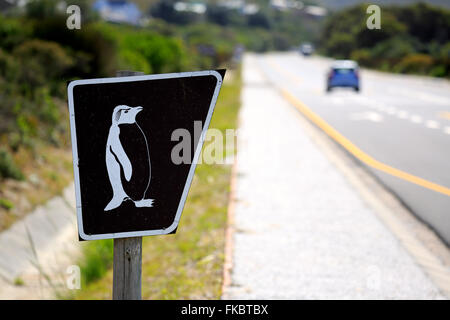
(198, 149)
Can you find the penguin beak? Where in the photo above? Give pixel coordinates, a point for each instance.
(137, 110)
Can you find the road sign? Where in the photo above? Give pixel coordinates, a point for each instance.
(126, 182)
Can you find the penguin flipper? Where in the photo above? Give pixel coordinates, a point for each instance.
(122, 157)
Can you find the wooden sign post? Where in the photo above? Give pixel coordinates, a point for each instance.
(127, 264)
(127, 269)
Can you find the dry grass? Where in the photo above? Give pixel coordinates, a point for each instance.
(47, 171)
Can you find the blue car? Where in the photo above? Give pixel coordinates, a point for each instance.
(343, 73)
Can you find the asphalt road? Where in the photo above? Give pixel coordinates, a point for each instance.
(400, 123)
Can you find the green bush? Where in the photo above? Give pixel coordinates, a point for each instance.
(412, 39)
(363, 57)
(44, 9)
(145, 50)
(41, 61)
(259, 19)
(47, 110)
(438, 71)
(98, 258)
(389, 53)
(38, 55)
(94, 48)
(393, 49)
(341, 45)
(415, 63)
(133, 60)
(161, 53)
(281, 42)
(6, 204)
(8, 168)
(210, 43)
(12, 33)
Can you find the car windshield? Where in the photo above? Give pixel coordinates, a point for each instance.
(343, 70)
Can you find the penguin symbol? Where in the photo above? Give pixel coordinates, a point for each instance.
(116, 158)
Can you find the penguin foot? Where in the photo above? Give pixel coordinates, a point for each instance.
(144, 203)
(114, 203)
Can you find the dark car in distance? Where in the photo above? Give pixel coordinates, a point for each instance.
(306, 49)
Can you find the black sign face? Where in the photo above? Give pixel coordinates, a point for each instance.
(126, 180)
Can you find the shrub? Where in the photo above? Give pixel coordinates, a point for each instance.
(161, 53)
(363, 57)
(9, 67)
(259, 20)
(90, 44)
(12, 33)
(45, 57)
(98, 258)
(393, 49)
(415, 63)
(47, 110)
(413, 39)
(281, 42)
(5, 203)
(341, 45)
(8, 168)
(132, 60)
(438, 71)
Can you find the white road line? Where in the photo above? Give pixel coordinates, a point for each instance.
(432, 124)
(416, 119)
(401, 114)
(438, 99)
(368, 115)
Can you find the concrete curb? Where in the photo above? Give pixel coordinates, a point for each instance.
(39, 246)
(229, 232)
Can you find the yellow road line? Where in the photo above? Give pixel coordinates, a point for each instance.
(358, 153)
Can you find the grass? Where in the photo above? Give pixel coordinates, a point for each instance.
(97, 260)
(6, 204)
(19, 282)
(8, 168)
(189, 264)
(47, 171)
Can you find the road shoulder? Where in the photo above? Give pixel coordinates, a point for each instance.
(332, 243)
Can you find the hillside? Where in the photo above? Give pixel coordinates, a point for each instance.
(413, 39)
(333, 4)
